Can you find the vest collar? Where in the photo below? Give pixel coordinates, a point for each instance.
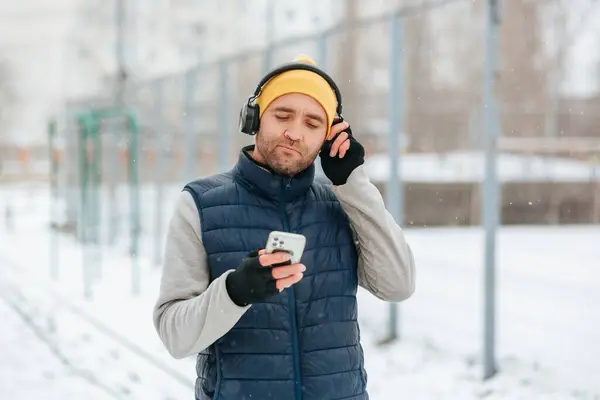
(269, 183)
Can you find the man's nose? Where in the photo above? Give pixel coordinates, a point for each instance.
(292, 134)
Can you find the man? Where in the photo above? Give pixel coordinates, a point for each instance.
(264, 328)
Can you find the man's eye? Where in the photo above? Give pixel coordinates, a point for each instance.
(312, 124)
(281, 117)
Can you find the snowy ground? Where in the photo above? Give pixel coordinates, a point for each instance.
(57, 345)
(33, 368)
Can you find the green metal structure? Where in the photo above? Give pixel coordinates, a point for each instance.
(90, 155)
(54, 165)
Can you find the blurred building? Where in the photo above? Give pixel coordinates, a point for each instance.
(33, 47)
(66, 49)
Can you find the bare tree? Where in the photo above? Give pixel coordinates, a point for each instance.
(521, 85)
(567, 20)
(417, 78)
(440, 85)
(348, 62)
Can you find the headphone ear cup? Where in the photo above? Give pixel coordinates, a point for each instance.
(249, 119)
(242, 125)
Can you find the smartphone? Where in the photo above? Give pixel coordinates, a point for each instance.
(291, 243)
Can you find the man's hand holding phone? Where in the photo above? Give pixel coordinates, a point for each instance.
(261, 275)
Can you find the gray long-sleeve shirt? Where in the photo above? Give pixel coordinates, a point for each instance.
(191, 313)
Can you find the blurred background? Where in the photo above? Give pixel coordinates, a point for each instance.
(481, 121)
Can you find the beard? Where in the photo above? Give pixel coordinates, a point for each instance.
(281, 161)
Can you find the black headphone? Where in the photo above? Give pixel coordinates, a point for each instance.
(250, 114)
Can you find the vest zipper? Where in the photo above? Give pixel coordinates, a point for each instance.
(292, 302)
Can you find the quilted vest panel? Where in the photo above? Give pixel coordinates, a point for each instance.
(303, 343)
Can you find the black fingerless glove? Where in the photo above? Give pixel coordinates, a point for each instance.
(250, 282)
(339, 169)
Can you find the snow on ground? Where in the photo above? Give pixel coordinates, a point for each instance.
(29, 369)
(464, 166)
(549, 293)
(456, 166)
(548, 296)
(110, 357)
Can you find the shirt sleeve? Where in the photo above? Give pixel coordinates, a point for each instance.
(190, 314)
(386, 265)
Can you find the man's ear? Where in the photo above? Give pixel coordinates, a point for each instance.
(256, 135)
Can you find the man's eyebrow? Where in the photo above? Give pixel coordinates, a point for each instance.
(284, 109)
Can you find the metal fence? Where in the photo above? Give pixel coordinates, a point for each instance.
(387, 66)
(390, 69)
(416, 79)
(192, 115)
(415, 72)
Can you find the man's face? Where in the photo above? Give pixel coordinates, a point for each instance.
(292, 131)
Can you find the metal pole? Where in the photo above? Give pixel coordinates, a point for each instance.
(270, 35)
(322, 50)
(225, 134)
(190, 134)
(81, 133)
(96, 253)
(490, 204)
(134, 204)
(160, 169)
(113, 175)
(394, 190)
(112, 182)
(54, 268)
(84, 208)
(120, 52)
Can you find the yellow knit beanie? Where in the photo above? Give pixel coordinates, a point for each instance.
(300, 81)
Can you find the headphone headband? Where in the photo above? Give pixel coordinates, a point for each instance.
(301, 66)
(249, 121)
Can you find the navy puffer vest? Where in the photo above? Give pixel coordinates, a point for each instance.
(303, 343)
